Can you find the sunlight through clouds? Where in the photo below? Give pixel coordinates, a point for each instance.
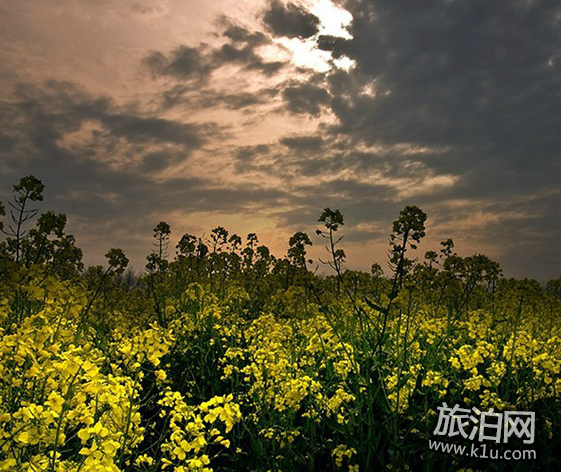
(207, 107)
(305, 54)
(334, 21)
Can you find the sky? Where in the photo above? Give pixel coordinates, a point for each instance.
(256, 115)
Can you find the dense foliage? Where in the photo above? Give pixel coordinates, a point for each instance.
(227, 358)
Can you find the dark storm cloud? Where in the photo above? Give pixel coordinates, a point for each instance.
(480, 80)
(247, 99)
(305, 98)
(290, 20)
(39, 123)
(483, 77)
(158, 161)
(249, 158)
(327, 156)
(358, 202)
(184, 96)
(40, 118)
(137, 129)
(248, 153)
(238, 34)
(303, 143)
(183, 63)
(105, 195)
(245, 56)
(334, 44)
(469, 91)
(197, 63)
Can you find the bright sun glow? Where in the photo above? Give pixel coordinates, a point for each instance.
(306, 54)
(333, 22)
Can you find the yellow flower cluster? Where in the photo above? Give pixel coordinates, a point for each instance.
(81, 392)
(342, 451)
(57, 390)
(286, 364)
(194, 428)
(476, 355)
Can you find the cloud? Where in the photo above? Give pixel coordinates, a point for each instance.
(59, 124)
(334, 44)
(452, 106)
(305, 98)
(183, 62)
(240, 35)
(479, 80)
(245, 56)
(290, 20)
(58, 108)
(303, 143)
(459, 74)
(137, 129)
(206, 98)
(108, 180)
(196, 64)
